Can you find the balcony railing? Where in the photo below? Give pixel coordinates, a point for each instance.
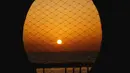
(65, 66)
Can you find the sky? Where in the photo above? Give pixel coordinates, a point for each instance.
(75, 22)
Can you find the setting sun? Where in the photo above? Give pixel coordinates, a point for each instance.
(59, 41)
(53, 24)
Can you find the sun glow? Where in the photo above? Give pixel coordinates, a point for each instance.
(59, 41)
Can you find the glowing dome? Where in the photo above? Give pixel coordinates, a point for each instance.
(76, 22)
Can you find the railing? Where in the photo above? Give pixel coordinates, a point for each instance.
(64, 65)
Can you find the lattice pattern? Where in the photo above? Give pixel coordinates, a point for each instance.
(75, 22)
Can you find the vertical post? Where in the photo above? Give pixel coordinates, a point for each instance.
(73, 70)
(35, 69)
(43, 70)
(87, 69)
(80, 69)
(65, 70)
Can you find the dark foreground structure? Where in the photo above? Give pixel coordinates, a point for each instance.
(113, 14)
(64, 65)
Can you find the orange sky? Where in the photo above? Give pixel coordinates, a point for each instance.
(75, 22)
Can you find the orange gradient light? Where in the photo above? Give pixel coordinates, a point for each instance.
(75, 21)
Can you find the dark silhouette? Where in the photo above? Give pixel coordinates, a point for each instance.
(113, 15)
(14, 58)
(103, 60)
